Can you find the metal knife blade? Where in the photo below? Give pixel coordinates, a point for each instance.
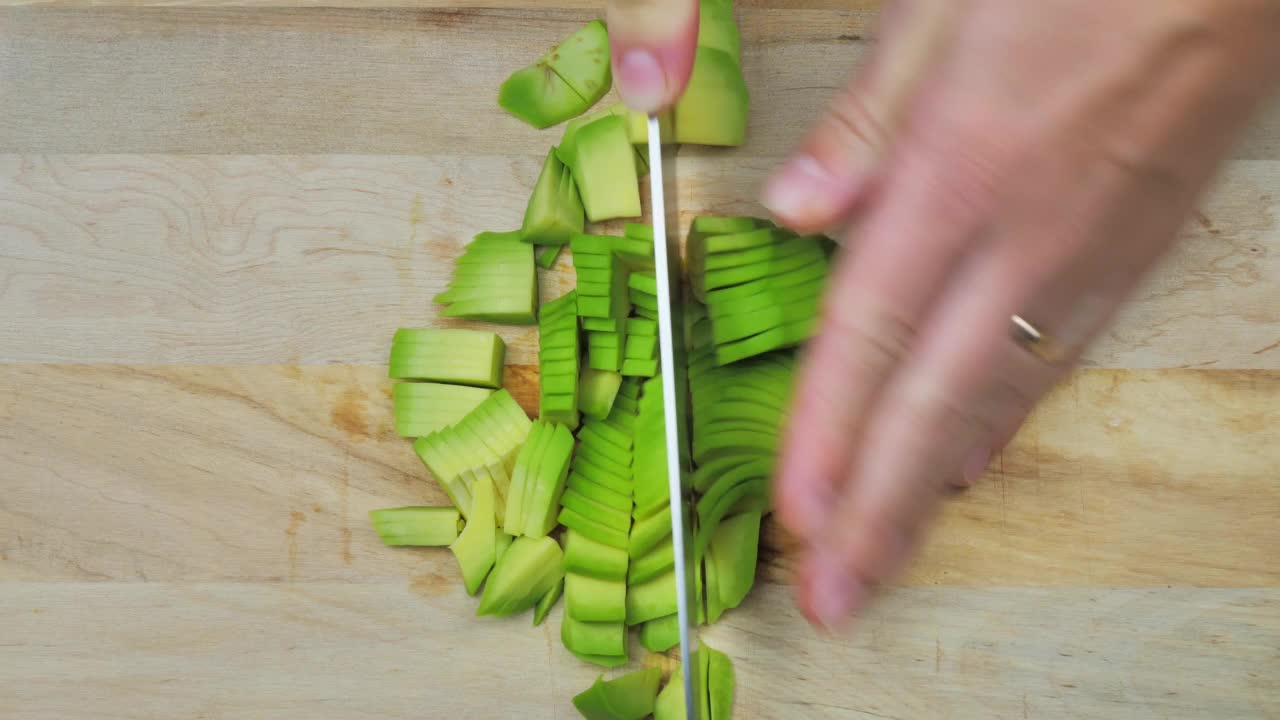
(672, 361)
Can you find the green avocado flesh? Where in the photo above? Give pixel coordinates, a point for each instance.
(427, 526)
(627, 697)
(495, 280)
(448, 355)
(554, 212)
(476, 547)
(564, 82)
(422, 408)
(529, 569)
(713, 685)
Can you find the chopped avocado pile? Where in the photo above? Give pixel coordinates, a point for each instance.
(576, 503)
(494, 281)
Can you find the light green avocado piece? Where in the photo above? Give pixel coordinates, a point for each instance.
(653, 563)
(564, 82)
(720, 684)
(585, 556)
(631, 696)
(554, 212)
(592, 599)
(529, 569)
(501, 541)
(587, 527)
(661, 634)
(513, 519)
(568, 141)
(547, 602)
(731, 558)
(423, 408)
(547, 483)
(670, 704)
(651, 599)
(717, 28)
(603, 514)
(582, 61)
(546, 258)
(449, 355)
(713, 109)
(596, 391)
(476, 547)
(604, 167)
(424, 526)
(593, 638)
(649, 531)
(446, 468)
(540, 97)
(590, 703)
(710, 515)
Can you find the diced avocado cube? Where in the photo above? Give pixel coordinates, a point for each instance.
(604, 167)
(731, 557)
(592, 599)
(596, 392)
(593, 638)
(568, 141)
(661, 634)
(713, 109)
(609, 325)
(426, 526)
(513, 518)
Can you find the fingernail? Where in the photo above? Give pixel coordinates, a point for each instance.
(641, 82)
(836, 595)
(975, 465)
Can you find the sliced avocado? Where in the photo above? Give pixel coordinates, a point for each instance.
(554, 212)
(425, 526)
(593, 599)
(661, 634)
(593, 638)
(564, 82)
(547, 480)
(529, 569)
(713, 109)
(582, 60)
(546, 602)
(651, 599)
(585, 556)
(476, 547)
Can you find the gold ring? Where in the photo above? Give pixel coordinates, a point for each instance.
(1034, 340)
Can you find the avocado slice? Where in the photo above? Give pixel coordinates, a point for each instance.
(554, 212)
(713, 109)
(564, 82)
(422, 526)
(529, 569)
(604, 166)
(546, 602)
(476, 548)
(585, 556)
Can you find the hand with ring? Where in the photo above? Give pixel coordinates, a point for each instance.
(1007, 171)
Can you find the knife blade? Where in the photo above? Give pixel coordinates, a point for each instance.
(667, 269)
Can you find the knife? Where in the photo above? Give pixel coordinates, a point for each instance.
(667, 269)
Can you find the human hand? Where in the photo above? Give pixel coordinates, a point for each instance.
(995, 158)
(651, 47)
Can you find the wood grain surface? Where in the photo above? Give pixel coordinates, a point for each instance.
(212, 219)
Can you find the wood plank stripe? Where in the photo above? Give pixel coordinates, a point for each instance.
(412, 650)
(150, 473)
(347, 80)
(317, 259)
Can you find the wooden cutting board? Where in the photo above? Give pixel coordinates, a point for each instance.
(213, 218)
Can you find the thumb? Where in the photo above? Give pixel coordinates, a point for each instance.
(651, 45)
